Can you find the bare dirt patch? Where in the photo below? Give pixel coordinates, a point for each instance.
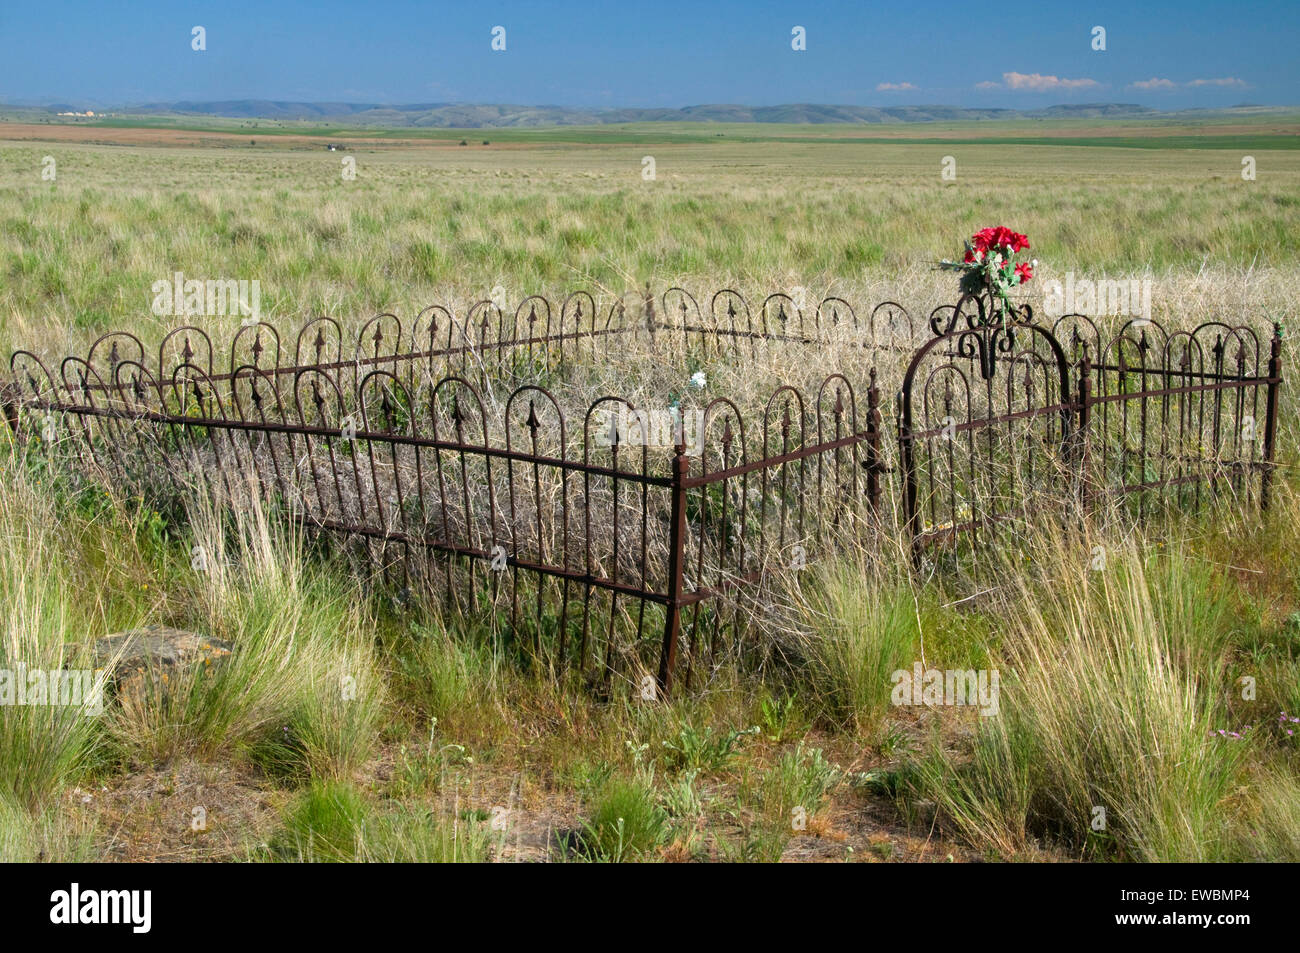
(150, 814)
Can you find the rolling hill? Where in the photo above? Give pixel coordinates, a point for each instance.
(472, 116)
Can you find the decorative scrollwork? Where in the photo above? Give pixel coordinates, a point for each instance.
(983, 310)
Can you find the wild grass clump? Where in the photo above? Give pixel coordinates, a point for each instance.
(44, 617)
(302, 665)
(447, 671)
(335, 821)
(779, 799)
(856, 622)
(798, 782)
(860, 630)
(626, 820)
(697, 750)
(45, 836)
(1268, 826)
(1108, 704)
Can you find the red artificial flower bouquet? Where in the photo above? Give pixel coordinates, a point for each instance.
(990, 265)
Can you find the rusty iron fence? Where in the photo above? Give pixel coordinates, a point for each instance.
(612, 542)
(999, 413)
(605, 547)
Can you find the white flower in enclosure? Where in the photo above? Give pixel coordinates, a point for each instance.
(698, 380)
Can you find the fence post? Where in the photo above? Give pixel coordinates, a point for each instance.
(10, 398)
(1270, 420)
(651, 325)
(676, 560)
(1084, 419)
(875, 463)
(907, 462)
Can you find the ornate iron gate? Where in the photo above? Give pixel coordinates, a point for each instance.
(986, 421)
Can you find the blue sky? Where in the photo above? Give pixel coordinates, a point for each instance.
(662, 53)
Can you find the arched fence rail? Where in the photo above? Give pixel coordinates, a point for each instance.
(616, 542)
(997, 414)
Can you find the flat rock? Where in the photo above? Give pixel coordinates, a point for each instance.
(157, 648)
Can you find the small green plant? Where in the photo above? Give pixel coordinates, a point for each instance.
(334, 821)
(702, 751)
(894, 741)
(779, 800)
(322, 824)
(779, 716)
(423, 769)
(761, 844)
(800, 780)
(883, 849)
(626, 821)
(682, 799)
(879, 781)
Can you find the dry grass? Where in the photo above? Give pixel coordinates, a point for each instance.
(1114, 680)
(419, 226)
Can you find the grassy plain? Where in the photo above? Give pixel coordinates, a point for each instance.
(1117, 682)
(434, 222)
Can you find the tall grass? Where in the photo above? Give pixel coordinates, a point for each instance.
(44, 618)
(419, 226)
(1108, 704)
(302, 668)
(46, 836)
(860, 630)
(334, 821)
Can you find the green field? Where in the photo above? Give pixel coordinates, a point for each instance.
(1117, 683)
(445, 222)
(1261, 127)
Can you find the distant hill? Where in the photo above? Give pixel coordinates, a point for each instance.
(470, 116)
(506, 116)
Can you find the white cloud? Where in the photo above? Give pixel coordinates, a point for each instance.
(1157, 83)
(1154, 83)
(1224, 81)
(1037, 82)
(892, 87)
